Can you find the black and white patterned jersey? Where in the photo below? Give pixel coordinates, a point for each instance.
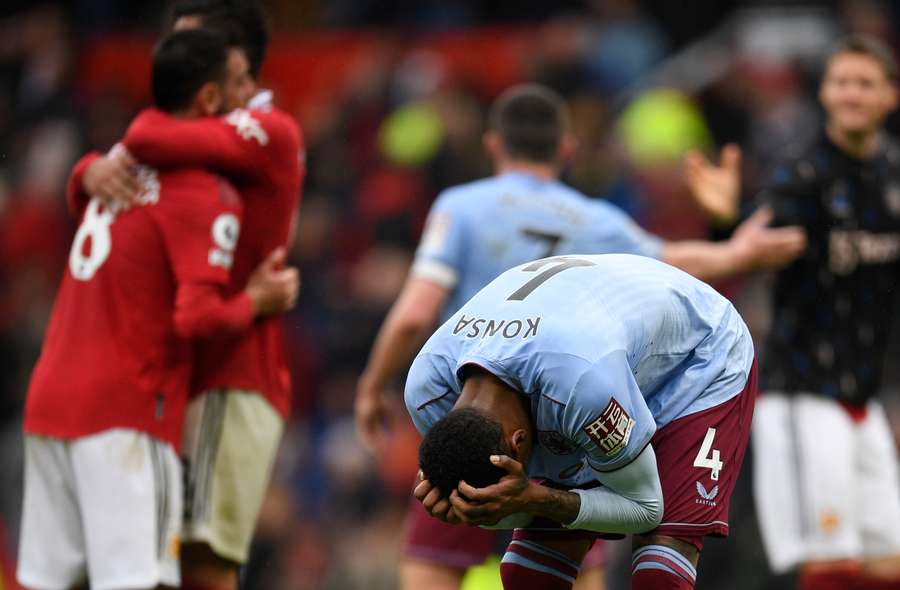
(832, 308)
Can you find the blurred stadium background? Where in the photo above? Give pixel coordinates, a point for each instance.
(391, 96)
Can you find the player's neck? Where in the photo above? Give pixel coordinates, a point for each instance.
(489, 394)
(537, 170)
(857, 145)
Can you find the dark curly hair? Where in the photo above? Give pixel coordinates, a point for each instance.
(459, 447)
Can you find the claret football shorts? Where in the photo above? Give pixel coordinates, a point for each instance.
(105, 508)
(699, 457)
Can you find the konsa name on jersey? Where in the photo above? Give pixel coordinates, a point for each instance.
(484, 328)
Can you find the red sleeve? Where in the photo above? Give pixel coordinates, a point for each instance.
(76, 197)
(200, 226)
(202, 312)
(237, 145)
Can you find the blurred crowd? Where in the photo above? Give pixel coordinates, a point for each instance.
(641, 88)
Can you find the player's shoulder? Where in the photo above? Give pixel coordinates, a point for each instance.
(465, 199)
(574, 200)
(271, 126)
(470, 191)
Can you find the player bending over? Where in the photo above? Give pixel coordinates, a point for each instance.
(532, 215)
(624, 384)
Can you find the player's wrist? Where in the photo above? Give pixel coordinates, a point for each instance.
(89, 178)
(740, 254)
(558, 505)
(369, 386)
(257, 299)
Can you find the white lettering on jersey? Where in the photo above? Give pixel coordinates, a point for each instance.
(94, 226)
(225, 231)
(849, 249)
(148, 178)
(98, 218)
(247, 126)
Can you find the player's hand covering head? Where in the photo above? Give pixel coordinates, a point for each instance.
(189, 70)
(459, 447)
(244, 16)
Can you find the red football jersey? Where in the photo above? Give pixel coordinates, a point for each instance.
(117, 352)
(261, 152)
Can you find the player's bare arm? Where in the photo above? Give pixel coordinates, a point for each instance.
(753, 246)
(113, 177)
(407, 326)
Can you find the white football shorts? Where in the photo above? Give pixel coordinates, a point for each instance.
(231, 438)
(105, 508)
(826, 486)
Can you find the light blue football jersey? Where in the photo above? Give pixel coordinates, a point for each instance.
(478, 230)
(606, 348)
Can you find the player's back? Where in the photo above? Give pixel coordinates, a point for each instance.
(548, 322)
(111, 355)
(480, 229)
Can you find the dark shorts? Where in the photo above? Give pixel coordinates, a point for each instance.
(695, 498)
(431, 540)
(459, 546)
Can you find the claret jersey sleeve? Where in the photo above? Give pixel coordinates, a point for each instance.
(606, 415)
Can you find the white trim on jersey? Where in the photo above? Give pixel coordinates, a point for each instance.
(443, 274)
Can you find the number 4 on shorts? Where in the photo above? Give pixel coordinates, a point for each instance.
(708, 457)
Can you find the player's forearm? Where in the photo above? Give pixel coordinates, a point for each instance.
(706, 261)
(202, 312)
(397, 342)
(76, 196)
(629, 501)
(557, 505)
(162, 141)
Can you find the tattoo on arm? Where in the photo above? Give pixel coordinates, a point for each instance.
(558, 505)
